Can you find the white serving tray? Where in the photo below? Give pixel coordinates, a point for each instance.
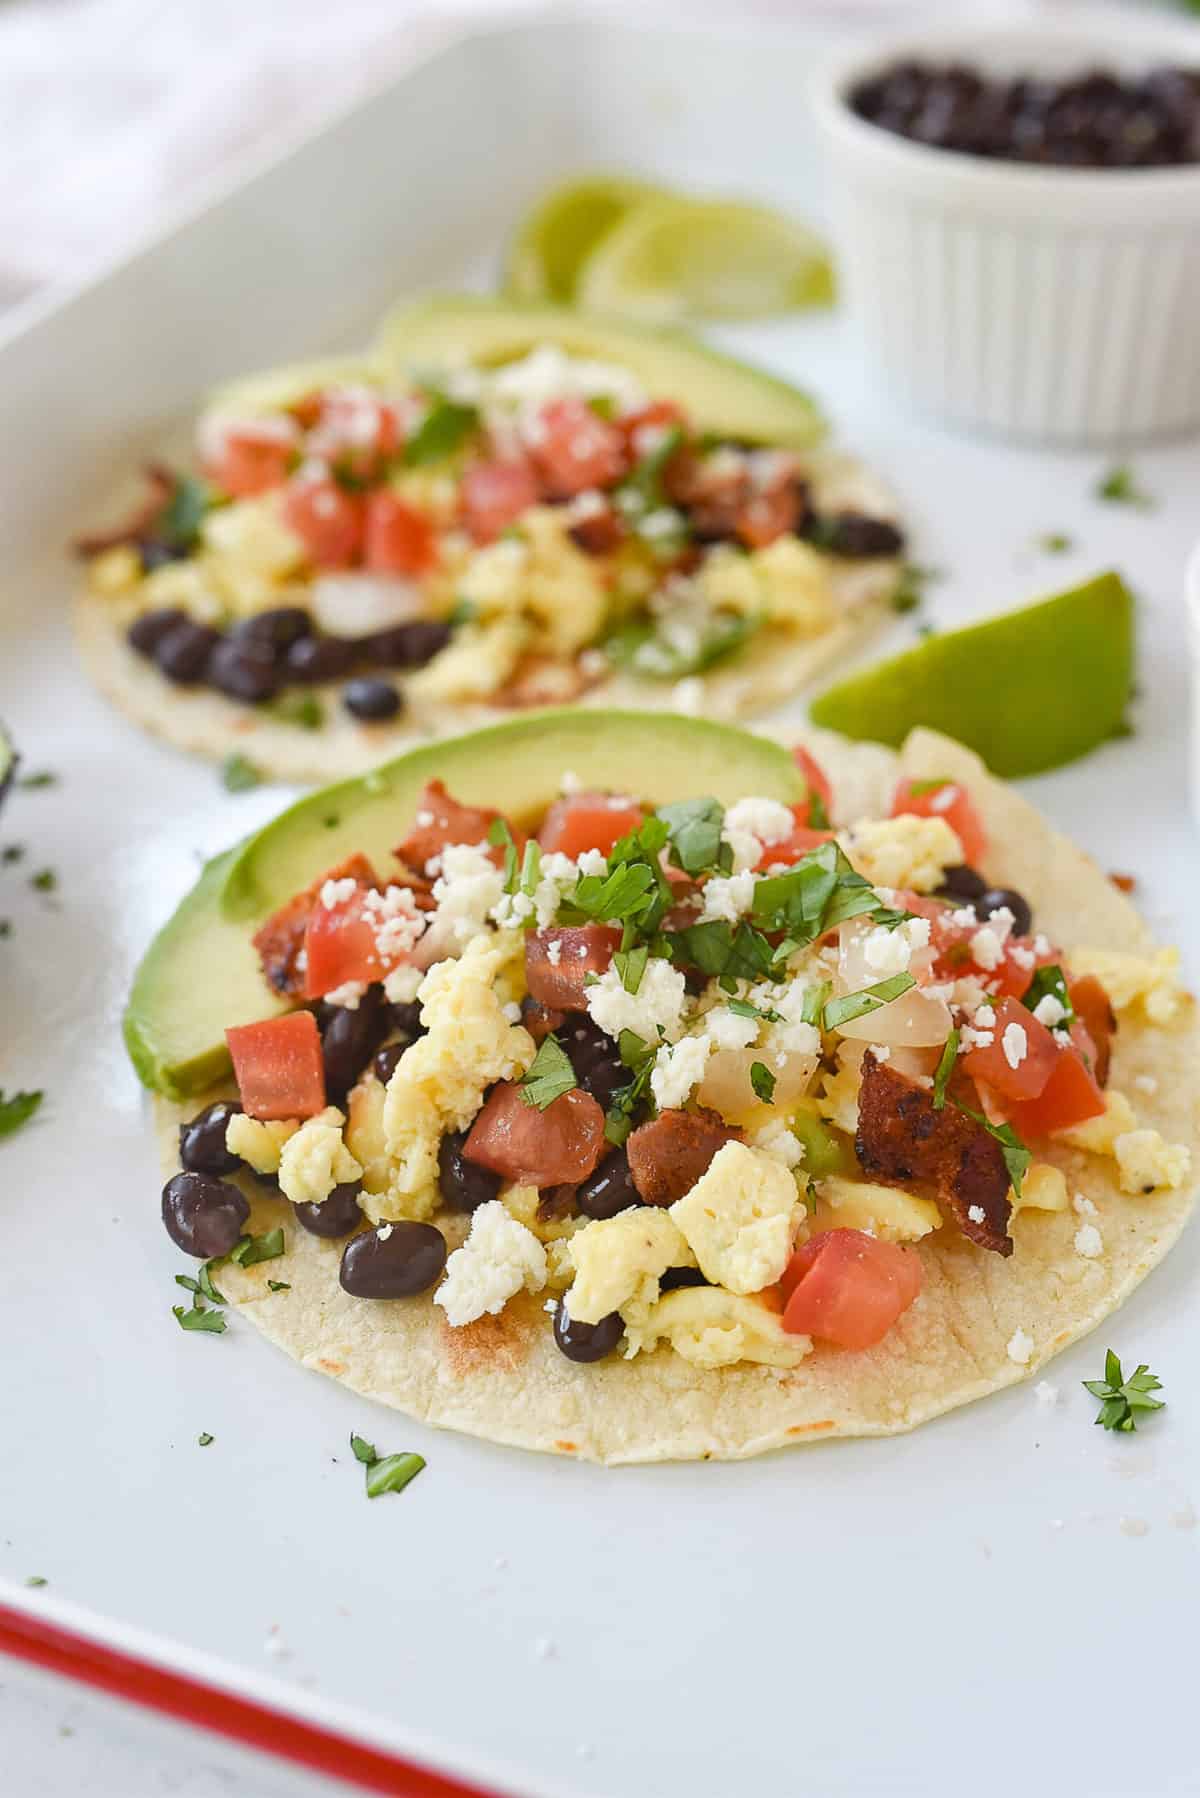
(974, 1606)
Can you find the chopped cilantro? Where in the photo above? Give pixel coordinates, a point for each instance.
(202, 1285)
(42, 777)
(44, 881)
(818, 812)
(465, 611)
(5, 927)
(742, 1008)
(178, 524)
(12, 852)
(1119, 488)
(550, 1074)
(695, 833)
(1055, 543)
(631, 966)
(239, 774)
(638, 1056)
(203, 1439)
(812, 1009)
(945, 1068)
(722, 951)
(917, 789)
(909, 592)
(645, 480)
(37, 1579)
(251, 1249)
(1120, 1398)
(1016, 1156)
(301, 709)
(821, 891)
(364, 1451)
(392, 1473)
(278, 1286)
(810, 1193)
(501, 837)
(443, 430)
(763, 1082)
(1051, 982)
(17, 1109)
(640, 646)
(199, 1319)
(869, 999)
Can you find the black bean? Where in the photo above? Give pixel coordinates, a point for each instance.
(610, 1189)
(335, 1216)
(406, 1018)
(999, 898)
(675, 1277)
(349, 1038)
(371, 700)
(594, 1057)
(277, 629)
(387, 1061)
(204, 1216)
(147, 632)
(854, 534)
(407, 645)
(463, 1184)
(962, 882)
(244, 669)
(183, 653)
(310, 660)
(586, 1342)
(202, 1141)
(393, 1262)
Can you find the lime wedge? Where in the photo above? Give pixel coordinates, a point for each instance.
(559, 235)
(669, 259)
(1027, 691)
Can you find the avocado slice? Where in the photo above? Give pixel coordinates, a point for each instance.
(1027, 691)
(273, 389)
(8, 763)
(201, 973)
(730, 398)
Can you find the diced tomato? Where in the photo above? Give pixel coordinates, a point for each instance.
(356, 430)
(817, 779)
(1070, 1096)
(643, 429)
(559, 1146)
(1036, 1053)
(280, 940)
(774, 505)
(340, 946)
(399, 539)
(1093, 1008)
(796, 846)
(253, 458)
(440, 819)
(493, 495)
(952, 948)
(575, 448)
(848, 1288)
(328, 521)
(581, 950)
(278, 1066)
(587, 821)
(946, 800)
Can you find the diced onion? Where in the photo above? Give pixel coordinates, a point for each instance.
(355, 605)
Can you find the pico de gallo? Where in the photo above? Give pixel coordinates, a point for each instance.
(718, 1079)
(510, 537)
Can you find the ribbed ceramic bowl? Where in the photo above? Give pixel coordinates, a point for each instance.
(1192, 598)
(1054, 305)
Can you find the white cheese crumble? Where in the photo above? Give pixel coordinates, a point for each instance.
(677, 1071)
(337, 892)
(777, 1140)
(725, 1029)
(1020, 1347)
(1084, 1207)
(977, 1214)
(1049, 1010)
(397, 921)
(728, 899)
(1088, 1242)
(891, 951)
(498, 1259)
(753, 825)
(656, 1007)
(1045, 1393)
(467, 889)
(687, 696)
(1015, 1043)
(554, 952)
(348, 995)
(401, 986)
(569, 782)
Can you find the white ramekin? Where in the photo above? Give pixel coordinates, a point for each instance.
(1055, 305)
(1192, 601)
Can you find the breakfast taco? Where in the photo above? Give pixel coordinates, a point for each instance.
(632, 1087)
(500, 508)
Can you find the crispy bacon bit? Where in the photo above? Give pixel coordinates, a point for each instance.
(539, 1019)
(668, 1156)
(1125, 883)
(161, 485)
(555, 1203)
(556, 1147)
(903, 1139)
(440, 819)
(1094, 1010)
(560, 958)
(753, 498)
(280, 940)
(598, 532)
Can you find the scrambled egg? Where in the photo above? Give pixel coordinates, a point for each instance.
(1127, 979)
(1044, 1188)
(315, 1160)
(712, 1328)
(837, 1100)
(1099, 1135)
(366, 1138)
(787, 583)
(740, 1218)
(540, 575)
(522, 1203)
(249, 537)
(498, 1259)
(474, 665)
(618, 1263)
(440, 1081)
(258, 1144)
(114, 572)
(906, 851)
(1146, 1162)
(888, 1212)
(182, 584)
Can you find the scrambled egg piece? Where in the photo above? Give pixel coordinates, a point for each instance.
(315, 1160)
(837, 1100)
(474, 665)
(182, 584)
(903, 852)
(740, 1218)
(366, 1138)
(543, 576)
(888, 1212)
(618, 1263)
(430, 492)
(259, 1144)
(560, 1269)
(521, 1202)
(248, 551)
(1099, 1135)
(1152, 979)
(787, 583)
(712, 1328)
(498, 1259)
(1044, 1188)
(115, 572)
(1146, 1162)
(440, 1081)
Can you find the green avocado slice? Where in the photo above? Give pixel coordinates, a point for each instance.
(730, 398)
(8, 763)
(201, 973)
(1027, 691)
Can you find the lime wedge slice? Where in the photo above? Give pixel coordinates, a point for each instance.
(558, 236)
(669, 259)
(1027, 691)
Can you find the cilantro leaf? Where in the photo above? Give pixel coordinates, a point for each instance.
(869, 999)
(1120, 1397)
(444, 429)
(1050, 982)
(1119, 487)
(301, 709)
(239, 774)
(631, 966)
(909, 592)
(818, 812)
(812, 1008)
(742, 1008)
(945, 1068)
(721, 950)
(178, 524)
(645, 480)
(251, 1249)
(625, 894)
(1016, 1156)
(204, 1439)
(638, 1056)
(392, 1474)
(213, 1322)
(278, 1286)
(42, 777)
(643, 648)
(695, 827)
(822, 890)
(17, 1109)
(763, 1082)
(1055, 543)
(44, 881)
(550, 1074)
(364, 1451)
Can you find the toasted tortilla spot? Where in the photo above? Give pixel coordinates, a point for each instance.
(497, 1343)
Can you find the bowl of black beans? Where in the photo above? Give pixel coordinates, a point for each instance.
(1018, 216)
